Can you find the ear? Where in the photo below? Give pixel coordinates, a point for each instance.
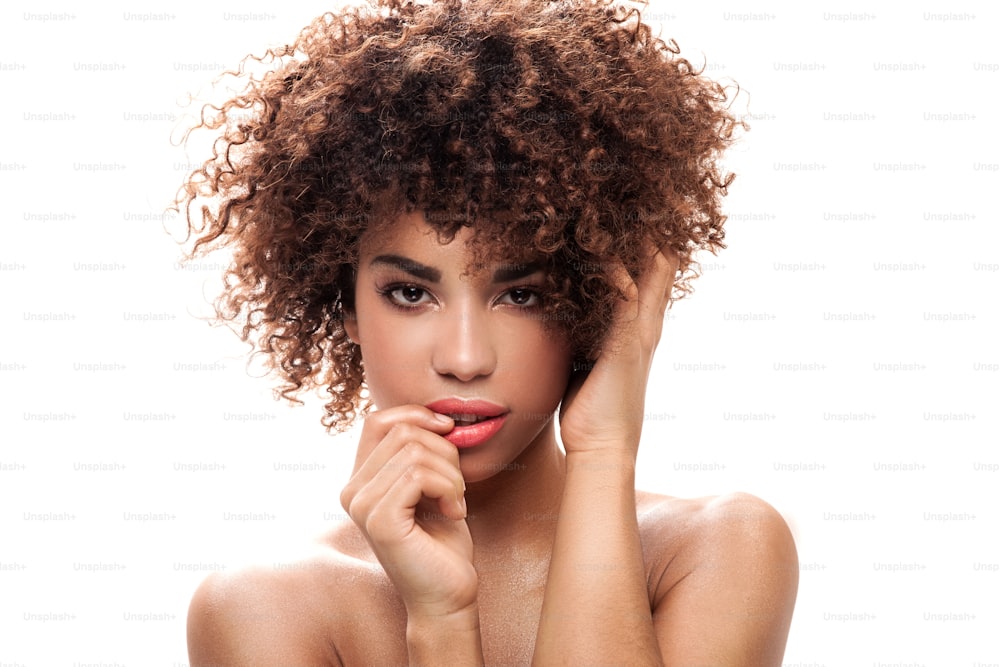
(351, 325)
(347, 306)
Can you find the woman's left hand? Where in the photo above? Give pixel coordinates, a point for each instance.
(603, 408)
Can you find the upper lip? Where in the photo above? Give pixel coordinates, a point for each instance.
(466, 406)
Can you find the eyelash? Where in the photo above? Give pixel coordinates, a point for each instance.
(386, 293)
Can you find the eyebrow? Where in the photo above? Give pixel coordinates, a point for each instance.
(408, 265)
(515, 271)
(504, 273)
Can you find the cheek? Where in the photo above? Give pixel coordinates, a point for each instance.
(388, 351)
(541, 363)
(379, 352)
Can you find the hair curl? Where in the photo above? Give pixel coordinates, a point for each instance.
(564, 131)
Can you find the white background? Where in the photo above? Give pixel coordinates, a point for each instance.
(835, 360)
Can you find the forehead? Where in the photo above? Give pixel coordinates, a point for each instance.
(401, 231)
(409, 236)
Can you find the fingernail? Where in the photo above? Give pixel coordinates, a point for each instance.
(465, 508)
(442, 418)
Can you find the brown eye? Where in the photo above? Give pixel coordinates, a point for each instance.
(405, 297)
(522, 296)
(411, 294)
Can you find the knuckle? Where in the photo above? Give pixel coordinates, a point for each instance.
(377, 524)
(346, 497)
(413, 452)
(415, 474)
(371, 525)
(374, 423)
(401, 430)
(354, 510)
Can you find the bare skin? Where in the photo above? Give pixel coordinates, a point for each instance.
(554, 557)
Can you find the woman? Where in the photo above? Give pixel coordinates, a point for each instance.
(459, 218)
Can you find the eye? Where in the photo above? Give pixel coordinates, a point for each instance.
(409, 293)
(522, 296)
(403, 296)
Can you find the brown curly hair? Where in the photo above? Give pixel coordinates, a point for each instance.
(563, 131)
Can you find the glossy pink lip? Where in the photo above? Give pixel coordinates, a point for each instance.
(474, 434)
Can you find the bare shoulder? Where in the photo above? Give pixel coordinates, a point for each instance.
(290, 612)
(724, 577)
(714, 526)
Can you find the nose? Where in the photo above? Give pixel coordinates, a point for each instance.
(463, 346)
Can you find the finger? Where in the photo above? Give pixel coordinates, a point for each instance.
(627, 309)
(392, 516)
(656, 283)
(378, 424)
(369, 489)
(407, 438)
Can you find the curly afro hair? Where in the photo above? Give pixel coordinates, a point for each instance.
(564, 132)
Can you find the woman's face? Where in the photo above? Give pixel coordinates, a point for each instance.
(428, 333)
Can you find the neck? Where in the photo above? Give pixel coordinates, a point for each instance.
(518, 507)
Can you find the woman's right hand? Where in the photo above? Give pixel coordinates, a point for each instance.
(407, 496)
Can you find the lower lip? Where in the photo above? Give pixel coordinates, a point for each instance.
(475, 434)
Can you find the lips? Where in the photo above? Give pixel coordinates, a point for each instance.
(476, 420)
(466, 419)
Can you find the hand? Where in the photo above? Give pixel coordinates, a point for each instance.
(603, 407)
(407, 496)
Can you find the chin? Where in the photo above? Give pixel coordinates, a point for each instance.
(481, 465)
(479, 469)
